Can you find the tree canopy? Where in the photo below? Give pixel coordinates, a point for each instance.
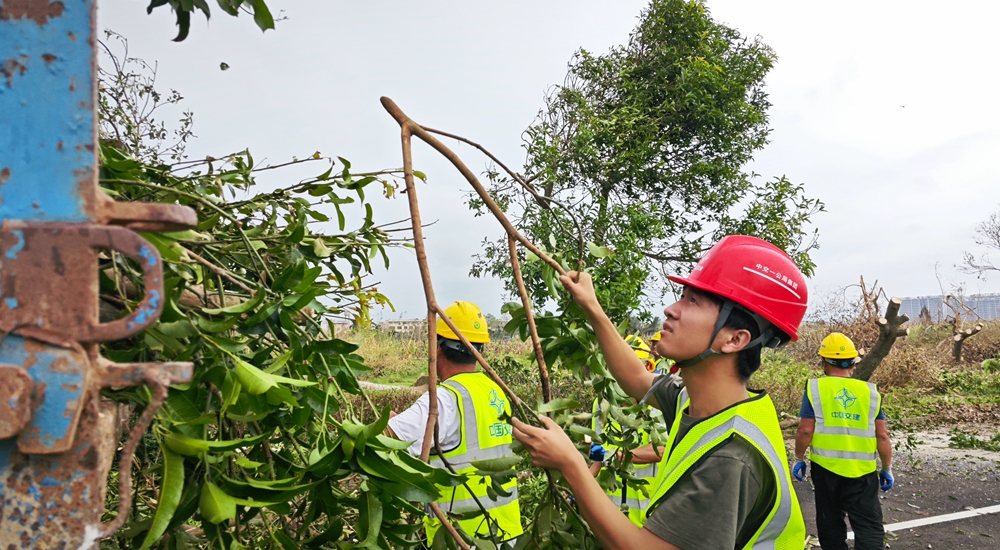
(636, 162)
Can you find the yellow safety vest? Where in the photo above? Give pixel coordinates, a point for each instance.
(484, 435)
(844, 437)
(756, 421)
(636, 500)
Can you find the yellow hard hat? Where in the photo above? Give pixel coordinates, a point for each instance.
(837, 346)
(469, 320)
(640, 347)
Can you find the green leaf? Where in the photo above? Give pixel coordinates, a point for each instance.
(184, 445)
(171, 489)
(556, 405)
(168, 248)
(244, 462)
(497, 464)
(254, 380)
(370, 520)
(241, 307)
(214, 327)
(598, 251)
(216, 506)
(333, 347)
(373, 430)
(292, 381)
(284, 540)
(231, 388)
(190, 446)
(262, 15)
(320, 249)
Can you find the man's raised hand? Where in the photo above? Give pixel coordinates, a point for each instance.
(581, 287)
(549, 447)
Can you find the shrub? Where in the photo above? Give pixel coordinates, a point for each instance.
(784, 378)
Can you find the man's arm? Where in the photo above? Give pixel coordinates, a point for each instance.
(551, 448)
(410, 424)
(804, 436)
(884, 444)
(627, 369)
(807, 423)
(646, 454)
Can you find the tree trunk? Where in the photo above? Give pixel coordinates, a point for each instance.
(889, 328)
(959, 338)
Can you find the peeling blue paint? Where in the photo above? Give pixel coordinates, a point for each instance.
(148, 313)
(148, 255)
(12, 253)
(64, 387)
(11, 302)
(47, 131)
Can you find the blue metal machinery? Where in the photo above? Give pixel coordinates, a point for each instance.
(58, 436)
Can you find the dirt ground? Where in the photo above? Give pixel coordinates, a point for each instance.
(931, 480)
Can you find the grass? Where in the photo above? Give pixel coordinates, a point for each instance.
(918, 381)
(784, 378)
(393, 360)
(401, 361)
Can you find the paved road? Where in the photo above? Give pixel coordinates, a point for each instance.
(941, 481)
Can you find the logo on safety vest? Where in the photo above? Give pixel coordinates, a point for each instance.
(846, 398)
(496, 402)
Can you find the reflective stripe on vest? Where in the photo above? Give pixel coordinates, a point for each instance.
(466, 505)
(756, 421)
(484, 436)
(844, 439)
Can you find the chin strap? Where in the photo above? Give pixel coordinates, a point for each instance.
(767, 337)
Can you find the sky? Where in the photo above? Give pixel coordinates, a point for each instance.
(886, 111)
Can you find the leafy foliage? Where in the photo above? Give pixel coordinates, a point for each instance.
(572, 352)
(263, 448)
(184, 8)
(966, 440)
(637, 158)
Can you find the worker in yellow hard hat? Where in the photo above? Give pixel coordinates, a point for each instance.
(471, 426)
(842, 420)
(644, 458)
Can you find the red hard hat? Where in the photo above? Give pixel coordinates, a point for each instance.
(757, 275)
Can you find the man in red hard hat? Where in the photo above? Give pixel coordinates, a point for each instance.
(723, 481)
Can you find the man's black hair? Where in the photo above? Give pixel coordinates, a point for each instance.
(748, 359)
(456, 352)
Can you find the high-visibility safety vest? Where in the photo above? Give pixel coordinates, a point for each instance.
(844, 437)
(636, 501)
(756, 421)
(484, 435)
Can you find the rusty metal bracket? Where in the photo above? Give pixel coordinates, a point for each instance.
(50, 278)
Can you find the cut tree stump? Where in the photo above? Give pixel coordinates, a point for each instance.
(959, 338)
(889, 329)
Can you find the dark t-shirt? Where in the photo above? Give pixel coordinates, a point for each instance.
(720, 502)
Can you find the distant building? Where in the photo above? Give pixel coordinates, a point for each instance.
(987, 306)
(407, 328)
